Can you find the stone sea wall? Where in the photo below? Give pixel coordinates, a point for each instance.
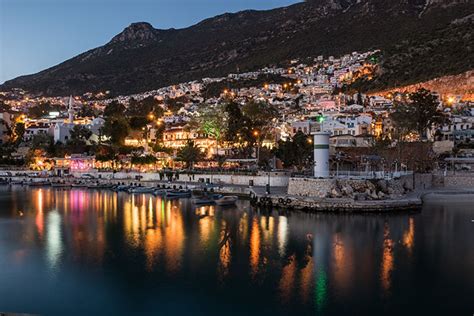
(277, 179)
(459, 181)
(349, 188)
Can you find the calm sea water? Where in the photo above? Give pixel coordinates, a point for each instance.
(79, 252)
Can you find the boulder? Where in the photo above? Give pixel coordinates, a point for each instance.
(382, 185)
(374, 195)
(347, 190)
(370, 185)
(336, 193)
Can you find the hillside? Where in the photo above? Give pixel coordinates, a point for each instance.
(460, 85)
(414, 36)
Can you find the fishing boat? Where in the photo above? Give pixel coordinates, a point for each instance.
(227, 200)
(178, 193)
(141, 190)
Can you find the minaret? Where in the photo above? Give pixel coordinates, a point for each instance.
(70, 110)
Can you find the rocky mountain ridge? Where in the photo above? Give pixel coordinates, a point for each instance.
(142, 58)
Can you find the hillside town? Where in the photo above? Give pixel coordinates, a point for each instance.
(245, 121)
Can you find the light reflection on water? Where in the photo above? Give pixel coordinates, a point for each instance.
(110, 248)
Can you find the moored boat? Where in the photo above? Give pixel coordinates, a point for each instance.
(208, 199)
(39, 183)
(227, 200)
(141, 190)
(160, 192)
(121, 187)
(178, 193)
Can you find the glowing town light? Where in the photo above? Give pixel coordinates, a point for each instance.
(450, 100)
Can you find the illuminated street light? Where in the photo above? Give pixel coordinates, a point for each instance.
(450, 100)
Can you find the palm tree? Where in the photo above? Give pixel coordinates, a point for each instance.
(189, 154)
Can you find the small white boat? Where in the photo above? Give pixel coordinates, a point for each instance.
(227, 200)
(141, 190)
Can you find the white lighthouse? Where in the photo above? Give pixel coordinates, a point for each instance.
(321, 154)
(70, 110)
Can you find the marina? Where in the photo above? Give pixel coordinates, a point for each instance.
(139, 254)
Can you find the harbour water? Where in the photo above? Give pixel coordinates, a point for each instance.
(90, 252)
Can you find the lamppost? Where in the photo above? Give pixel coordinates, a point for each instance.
(257, 138)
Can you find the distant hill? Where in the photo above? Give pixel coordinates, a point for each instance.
(420, 40)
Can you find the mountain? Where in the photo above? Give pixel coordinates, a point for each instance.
(140, 58)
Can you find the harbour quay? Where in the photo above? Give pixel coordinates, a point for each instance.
(361, 193)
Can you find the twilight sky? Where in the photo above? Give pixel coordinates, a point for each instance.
(37, 34)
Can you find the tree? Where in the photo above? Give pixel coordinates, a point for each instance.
(114, 108)
(159, 130)
(296, 152)
(138, 122)
(359, 99)
(419, 114)
(41, 141)
(80, 133)
(212, 120)
(426, 113)
(158, 148)
(143, 160)
(134, 108)
(189, 154)
(86, 111)
(18, 132)
(158, 111)
(117, 128)
(42, 109)
(235, 118)
(175, 104)
(259, 120)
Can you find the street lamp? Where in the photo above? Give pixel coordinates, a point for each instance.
(256, 134)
